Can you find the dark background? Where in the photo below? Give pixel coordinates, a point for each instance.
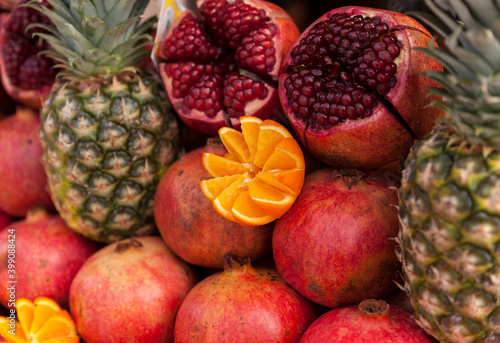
(304, 12)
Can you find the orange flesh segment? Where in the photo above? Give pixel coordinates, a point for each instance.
(69, 339)
(286, 155)
(235, 144)
(57, 326)
(25, 313)
(250, 127)
(218, 166)
(44, 309)
(226, 199)
(211, 188)
(246, 212)
(286, 180)
(272, 200)
(17, 337)
(270, 134)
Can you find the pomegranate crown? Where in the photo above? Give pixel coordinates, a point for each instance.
(95, 38)
(471, 57)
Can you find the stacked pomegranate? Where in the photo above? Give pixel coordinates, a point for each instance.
(349, 90)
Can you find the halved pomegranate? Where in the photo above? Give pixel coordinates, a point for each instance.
(351, 87)
(26, 76)
(223, 63)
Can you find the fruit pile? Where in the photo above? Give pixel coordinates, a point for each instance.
(242, 181)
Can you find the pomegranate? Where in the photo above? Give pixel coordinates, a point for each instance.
(223, 63)
(46, 255)
(351, 88)
(335, 245)
(130, 291)
(22, 177)
(26, 76)
(243, 304)
(5, 220)
(370, 321)
(190, 226)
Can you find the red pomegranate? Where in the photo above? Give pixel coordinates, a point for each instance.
(22, 178)
(335, 245)
(351, 88)
(26, 76)
(46, 256)
(370, 321)
(243, 304)
(190, 226)
(223, 62)
(130, 291)
(5, 220)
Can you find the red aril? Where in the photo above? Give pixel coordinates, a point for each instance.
(46, 254)
(369, 322)
(130, 291)
(336, 243)
(243, 304)
(26, 76)
(23, 181)
(351, 87)
(223, 62)
(191, 227)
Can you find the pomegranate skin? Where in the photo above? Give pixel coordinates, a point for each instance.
(22, 178)
(191, 227)
(47, 257)
(5, 220)
(130, 291)
(243, 304)
(371, 321)
(398, 117)
(335, 244)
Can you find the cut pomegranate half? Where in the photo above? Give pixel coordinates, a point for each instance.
(223, 63)
(352, 89)
(27, 76)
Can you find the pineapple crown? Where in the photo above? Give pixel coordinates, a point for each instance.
(471, 59)
(94, 38)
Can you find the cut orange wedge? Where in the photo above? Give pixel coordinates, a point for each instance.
(260, 178)
(40, 321)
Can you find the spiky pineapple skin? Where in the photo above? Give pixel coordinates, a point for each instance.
(106, 145)
(449, 241)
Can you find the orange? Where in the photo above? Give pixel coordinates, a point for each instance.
(40, 321)
(260, 177)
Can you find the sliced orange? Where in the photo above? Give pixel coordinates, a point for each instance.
(235, 144)
(285, 180)
(211, 188)
(247, 213)
(12, 335)
(218, 166)
(274, 201)
(270, 134)
(262, 176)
(224, 202)
(40, 321)
(286, 155)
(250, 126)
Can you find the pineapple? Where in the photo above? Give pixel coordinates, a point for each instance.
(449, 242)
(108, 131)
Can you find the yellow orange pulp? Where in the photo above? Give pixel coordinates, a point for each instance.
(260, 177)
(40, 321)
